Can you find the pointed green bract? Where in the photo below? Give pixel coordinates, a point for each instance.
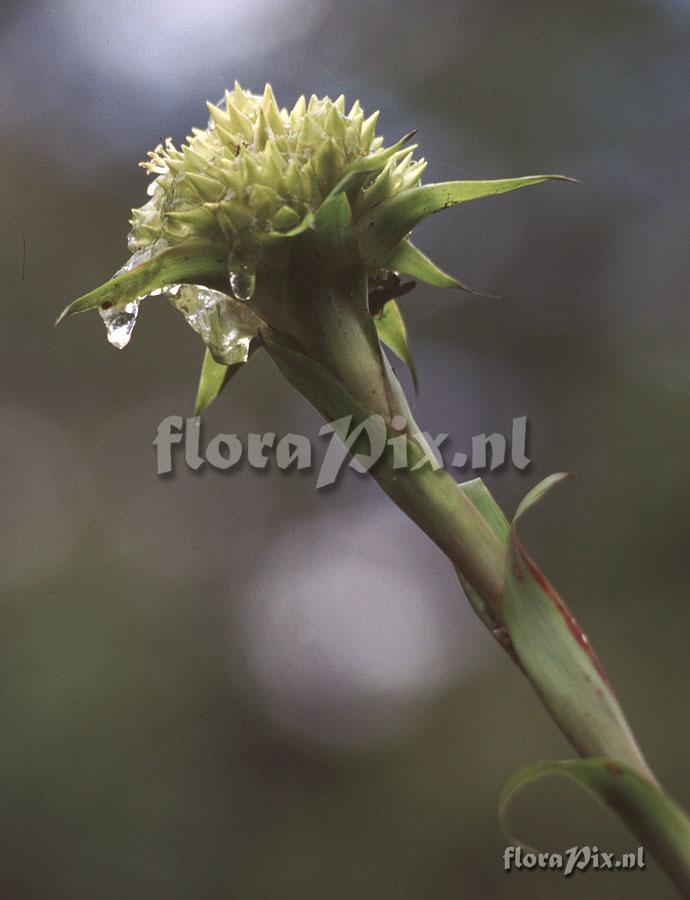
(409, 260)
(391, 330)
(214, 377)
(177, 265)
(535, 627)
(661, 826)
(388, 223)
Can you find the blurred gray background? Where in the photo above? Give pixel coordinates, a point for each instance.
(234, 686)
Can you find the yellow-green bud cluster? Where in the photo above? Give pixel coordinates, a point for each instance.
(258, 168)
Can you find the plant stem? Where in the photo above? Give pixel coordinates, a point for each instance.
(345, 375)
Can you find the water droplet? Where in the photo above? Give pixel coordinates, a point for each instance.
(143, 254)
(225, 326)
(242, 285)
(242, 277)
(136, 259)
(119, 323)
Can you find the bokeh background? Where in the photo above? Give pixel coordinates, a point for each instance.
(231, 685)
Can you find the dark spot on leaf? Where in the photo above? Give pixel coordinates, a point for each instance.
(106, 304)
(615, 770)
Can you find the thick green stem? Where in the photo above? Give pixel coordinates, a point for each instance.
(432, 499)
(429, 497)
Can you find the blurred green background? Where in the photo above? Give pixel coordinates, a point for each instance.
(234, 686)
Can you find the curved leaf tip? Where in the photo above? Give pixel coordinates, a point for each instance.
(409, 260)
(651, 815)
(538, 491)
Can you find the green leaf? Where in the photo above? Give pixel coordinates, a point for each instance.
(556, 656)
(537, 629)
(409, 260)
(491, 512)
(388, 223)
(214, 376)
(480, 496)
(186, 264)
(391, 329)
(661, 826)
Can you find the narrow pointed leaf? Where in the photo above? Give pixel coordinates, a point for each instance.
(409, 260)
(661, 826)
(537, 492)
(188, 263)
(389, 222)
(214, 376)
(391, 329)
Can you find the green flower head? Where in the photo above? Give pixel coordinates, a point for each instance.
(257, 168)
(263, 218)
